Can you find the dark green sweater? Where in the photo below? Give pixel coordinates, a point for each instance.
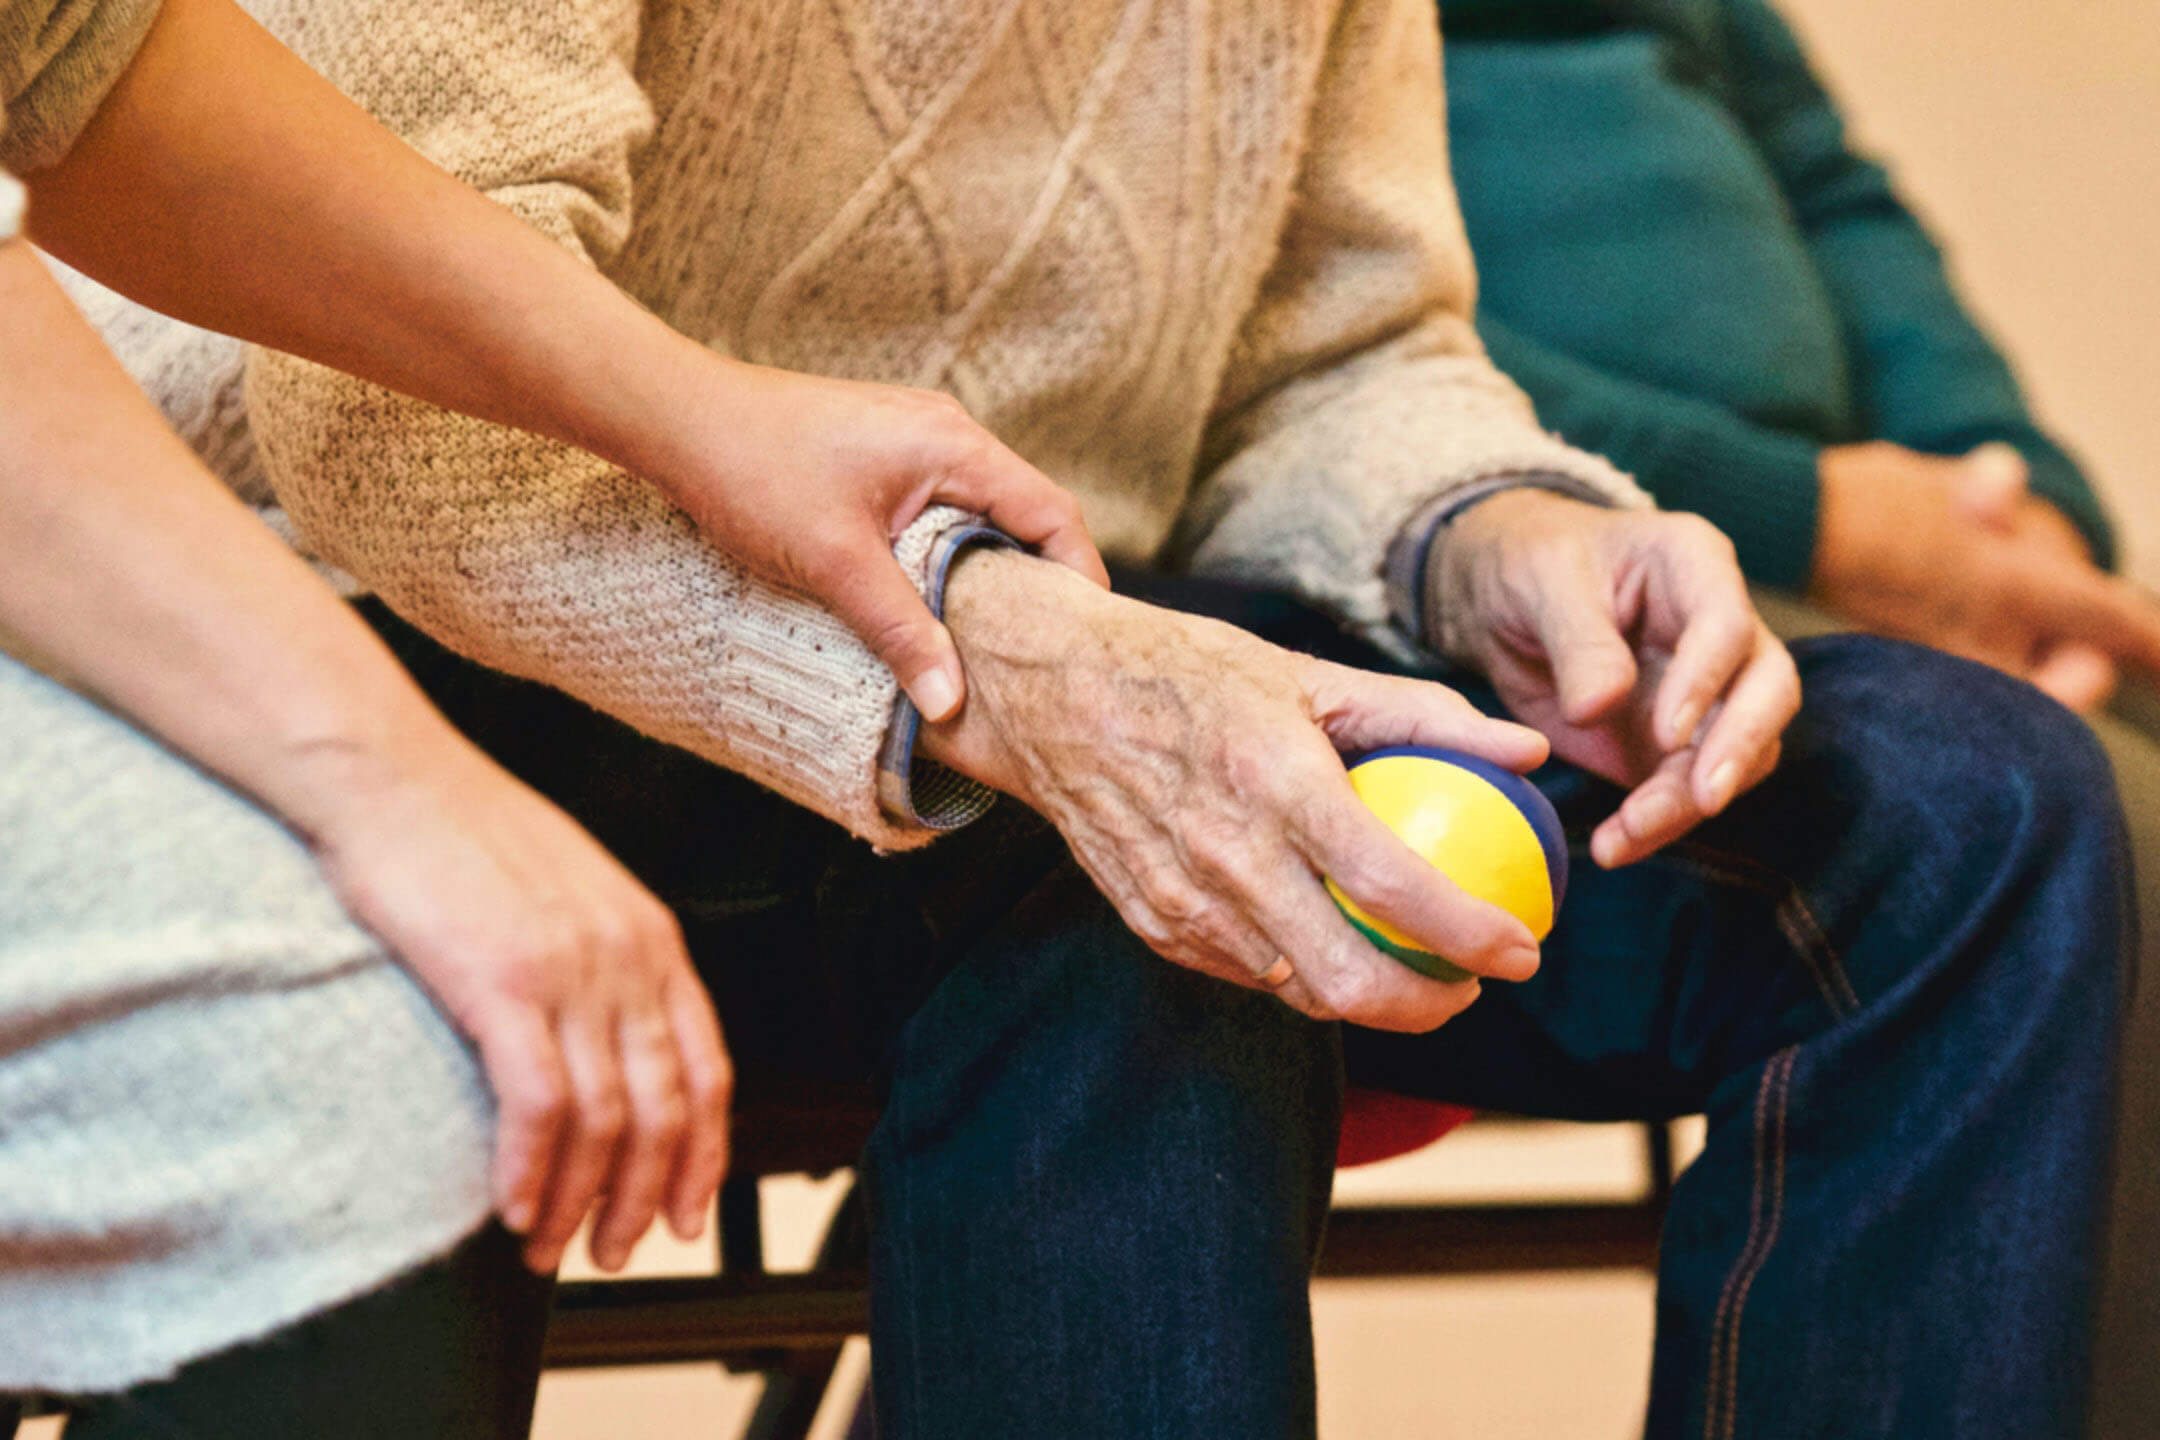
(1688, 269)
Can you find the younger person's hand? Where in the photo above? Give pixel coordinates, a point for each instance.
(808, 480)
(598, 1039)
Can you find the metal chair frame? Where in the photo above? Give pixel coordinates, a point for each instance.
(791, 1327)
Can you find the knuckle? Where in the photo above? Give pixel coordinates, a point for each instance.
(1173, 899)
(825, 565)
(603, 1114)
(657, 927)
(940, 404)
(1698, 534)
(710, 1091)
(540, 975)
(609, 934)
(974, 450)
(666, 1118)
(1216, 855)
(542, 1104)
(1215, 931)
(1155, 934)
(1383, 889)
(899, 636)
(1347, 991)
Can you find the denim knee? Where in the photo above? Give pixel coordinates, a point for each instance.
(1976, 783)
(1925, 730)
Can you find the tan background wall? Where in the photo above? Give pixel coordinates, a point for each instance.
(2029, 133)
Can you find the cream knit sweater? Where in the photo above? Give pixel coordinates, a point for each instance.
(1197, 259)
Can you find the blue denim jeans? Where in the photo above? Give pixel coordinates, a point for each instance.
(1891, 976)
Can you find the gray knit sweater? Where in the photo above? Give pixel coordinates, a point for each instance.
(222, 1106)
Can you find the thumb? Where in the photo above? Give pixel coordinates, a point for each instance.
(874, 598)
(1990, 484)
(2078, 675)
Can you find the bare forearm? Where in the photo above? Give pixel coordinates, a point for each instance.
(127, 567)
(227, 184)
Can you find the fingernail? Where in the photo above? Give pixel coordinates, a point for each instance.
(935, 693)
(1723, 781)
(517, 1216)
(1685, 719)
(1523, 959)
(1606, 847)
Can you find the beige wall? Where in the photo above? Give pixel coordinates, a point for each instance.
(2028, 131)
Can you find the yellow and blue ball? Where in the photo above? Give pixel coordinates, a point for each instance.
(1484, 827)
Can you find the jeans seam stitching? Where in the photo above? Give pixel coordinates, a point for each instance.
(1741, 1276)
(1762, 1257)
(1794, 914)
(1796, 922)
(1715, 1395)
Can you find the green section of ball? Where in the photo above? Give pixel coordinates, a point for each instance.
(1423, 961)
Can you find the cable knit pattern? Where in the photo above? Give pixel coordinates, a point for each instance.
(1197, 259)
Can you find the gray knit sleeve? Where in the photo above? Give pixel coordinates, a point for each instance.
(58, 59)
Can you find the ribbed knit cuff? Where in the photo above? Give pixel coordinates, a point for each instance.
(914, 790)
(1760, 487)
(1410, 554)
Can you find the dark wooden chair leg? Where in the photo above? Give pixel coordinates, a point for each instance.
(790, 1327)
(1658, 1135)
(742, 1227)
(796, 1387)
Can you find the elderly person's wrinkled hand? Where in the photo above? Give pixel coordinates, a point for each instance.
(1627, 638)
(1196, 773)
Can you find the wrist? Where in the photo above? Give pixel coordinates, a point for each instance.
(378, 768)
(660, 408)
(1014, 618)
(1855, 504)
(1450, 592)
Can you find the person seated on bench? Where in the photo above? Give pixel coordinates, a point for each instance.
(1690, 269)
(226, 1101)
(1201, 265)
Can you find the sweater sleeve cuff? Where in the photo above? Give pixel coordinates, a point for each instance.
(78, 53)
(1409, 555)
(914, 790)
